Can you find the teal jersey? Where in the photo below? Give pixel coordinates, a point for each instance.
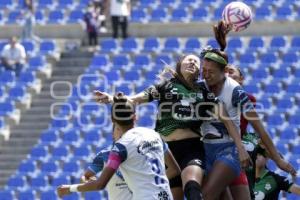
(269, 185)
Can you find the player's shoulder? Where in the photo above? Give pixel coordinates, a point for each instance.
(231, 83)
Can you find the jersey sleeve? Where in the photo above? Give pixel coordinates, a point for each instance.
(283, 182)
(240, 98)
(97, 164)
(165, 146)
(120, 150)
(155, 91)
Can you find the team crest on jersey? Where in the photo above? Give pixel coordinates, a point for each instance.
(268, 186)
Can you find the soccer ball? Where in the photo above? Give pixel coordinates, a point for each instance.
(237, 15)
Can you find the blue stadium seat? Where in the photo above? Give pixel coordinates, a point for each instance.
(138, 15)
(266, 103)
(39, 16)
(59, 123)
(260, 73)
(6, 194)
(129, 45)
(49, 194)
(16, 181)
(92, 195)
(60, 152)
(92, 136)
(262, 13)
(145, 121)
(47, 47)
(281, 73)
(125, 88)
(132, 75)
(294, 120)
(158, 15)
(278, 42)
(75, 16)
(108, 45)
(199, 14)
(296, 150)
(282, 147)
(179, 15)
(275, 120)
(71, 136)
(289, 133)
(28, 194)
(39, 152)
(163, 58)
(284, 12)
(234, 43)
(7, 78)
(293, 88)
(120, 60)
(141, 60)
(146, 3)
(49, 167)
(13, 16)
(61, 180)
(290, 58)
(295, 43)
(82, 151)
(6, 108)
(29, 46)
(5, 3)
(39, 182)
(55, 17)
(285, 103)
(218, 13)
(171, 44)
(151, 44)
(192, 45)
(252, 88)
(45, 3)
(65, 3)
(27, 78)
(71, 167)
(213, 43)
(256, 42)
(247, 58)
(150, 75)
(17, 93)
(83, 3)
(268, 58)
(167, 3)
(99, 61)
(72, 196)
(113, 76)
(272, 88)
(26, 167)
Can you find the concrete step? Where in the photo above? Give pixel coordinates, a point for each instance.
(10, 158)
(77, 54)
(18, 130)
(22, 141)
(73, 62)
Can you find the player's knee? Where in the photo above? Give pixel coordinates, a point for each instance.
(192, 190)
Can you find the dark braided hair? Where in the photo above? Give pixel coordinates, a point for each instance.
(122, 111)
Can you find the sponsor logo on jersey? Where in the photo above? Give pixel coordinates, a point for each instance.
(211, 95)
(146, 146)
(259, 195)
(163, 195)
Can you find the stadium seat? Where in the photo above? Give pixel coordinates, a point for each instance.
(192, 45)
(99, 61)
(39, 182)
(151, 44)
(145, 121)
(213, 43)
(71, 136)
(59, 123)
(265, 102)
(92, 195)
(47, 47)
(252, 88)
(294, 120)
(278, 42)
(45, 4)
(268, 58)
(289, 133)
(5, 3)
(60, 152)
(27, 78)
(27, 194)
(247, 58)
(17, 181)
(199, 14)
(282, 147)
(272, 88)
(73, 196)
(263, 13)
(138, 15)
(141, 60)
(293, 88)
(295, 43)
(49, 167)
(71, 167)
(171, 44)
(161, 59)
(129, 45)
(8, 78)
(29, 46)
(82, 151)
(179, 15)
(39, 16)
(92, 136)
(234, 43)
(27, 167)
(120, 60)
(13, 16)
(6, 108)
(61, 180)
(158, 15)
(39, 152)
(290, 58)
(108, 46)
(7, 194)
(284, 13)
(256, 42)
(285, 103)
(18, 93)
(132, 75)
(146, 3)
(75, 16)
(49, 194)
(260, 73)
(275, 120)
(65, 3)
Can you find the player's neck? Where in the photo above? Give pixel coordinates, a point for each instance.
(217, 88)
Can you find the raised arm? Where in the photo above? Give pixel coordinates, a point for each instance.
(295, 189)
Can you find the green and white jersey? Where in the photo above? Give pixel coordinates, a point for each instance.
(178, 106)
(269, 185)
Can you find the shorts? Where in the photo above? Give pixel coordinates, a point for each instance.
(224, 152)
(186, 152)
(240, 180)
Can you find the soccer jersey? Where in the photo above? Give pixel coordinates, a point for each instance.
(269, 185)
(179, 106)
(141, 151)
(116, 187)
(235, 101)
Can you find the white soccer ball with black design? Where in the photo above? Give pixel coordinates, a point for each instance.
(238, 15)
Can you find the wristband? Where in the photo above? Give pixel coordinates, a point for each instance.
(74, 188)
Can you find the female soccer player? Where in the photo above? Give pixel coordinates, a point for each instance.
(182, 106)
(138, 152)
(269, 184)
(216, 140)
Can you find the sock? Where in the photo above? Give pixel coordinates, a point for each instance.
(192, 191)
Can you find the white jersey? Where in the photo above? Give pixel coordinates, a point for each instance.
(116, 187)
(143, 167)
(235, 101)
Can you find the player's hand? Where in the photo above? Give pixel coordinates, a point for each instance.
(221, 30)
(63, 190)
(244, 157)
(285, 166)
(102, 97)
